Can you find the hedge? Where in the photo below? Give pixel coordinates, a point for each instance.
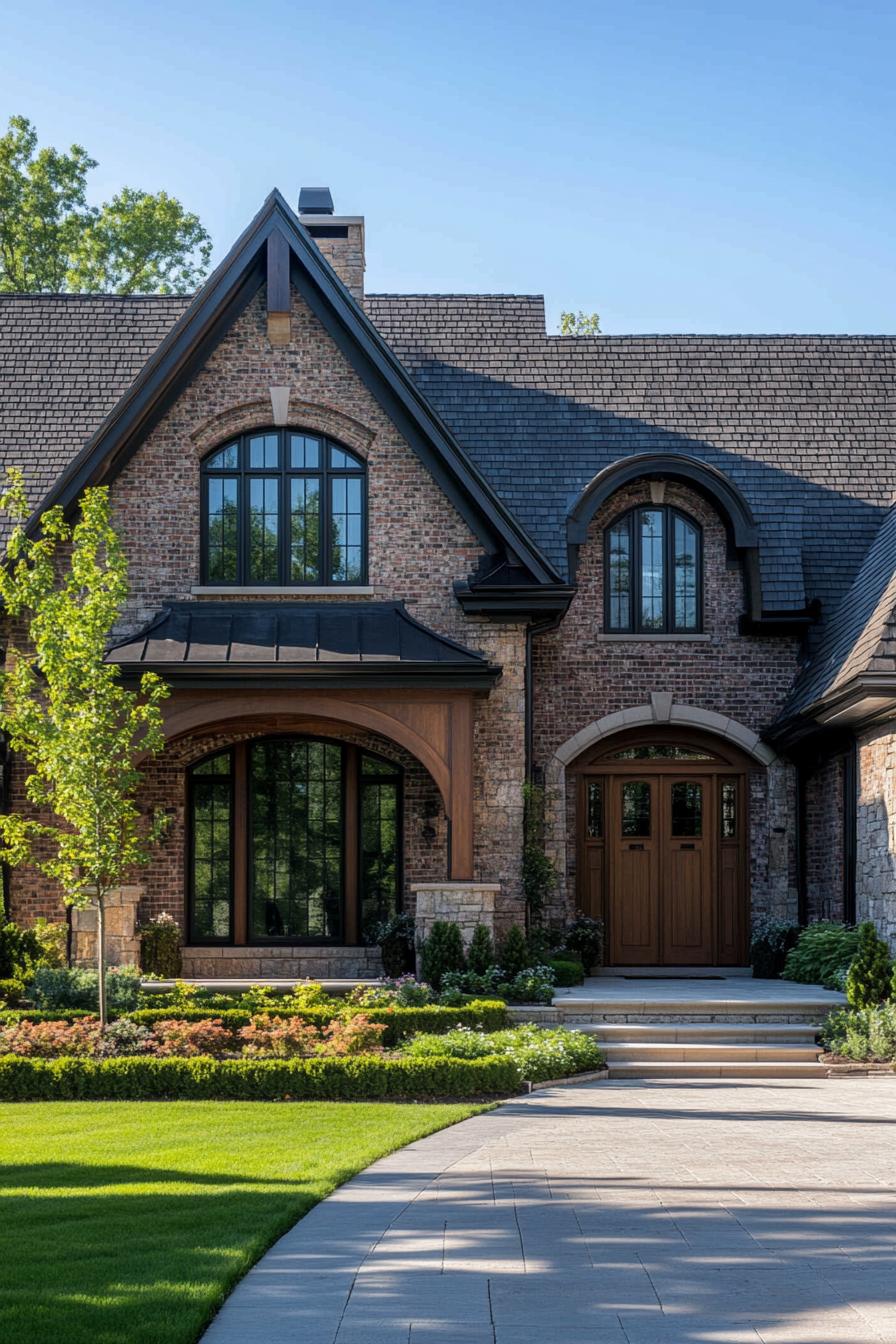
(358, 1078)
(487, 1014)
(10, 1016)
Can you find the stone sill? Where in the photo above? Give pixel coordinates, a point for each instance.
(260, 590)
(652, 639)
(455, 886)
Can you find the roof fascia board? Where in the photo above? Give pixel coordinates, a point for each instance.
(338, 676)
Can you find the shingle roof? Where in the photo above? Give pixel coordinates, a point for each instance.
(291, 637)
(805, 426)
(861, 635)
(65, 359)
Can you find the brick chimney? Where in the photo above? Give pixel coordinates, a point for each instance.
(339, 237)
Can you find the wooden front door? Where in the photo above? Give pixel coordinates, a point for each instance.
(662, 856)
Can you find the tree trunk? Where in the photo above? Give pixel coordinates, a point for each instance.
(101, 958)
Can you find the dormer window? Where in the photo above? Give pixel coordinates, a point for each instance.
(653, 573)
(284, 509)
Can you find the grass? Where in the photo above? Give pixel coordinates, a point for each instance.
(133, 1220)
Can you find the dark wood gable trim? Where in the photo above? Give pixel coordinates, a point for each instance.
(216, 306)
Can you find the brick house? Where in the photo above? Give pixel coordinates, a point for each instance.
(397, 553)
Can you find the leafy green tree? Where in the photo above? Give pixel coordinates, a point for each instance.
(52, 241)
(868, 977)
(65, 712)
(580, 324)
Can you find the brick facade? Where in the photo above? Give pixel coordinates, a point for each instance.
(580, 675)
(823, 830)
(418, 547)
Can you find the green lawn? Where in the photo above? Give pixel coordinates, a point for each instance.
(131, 1220)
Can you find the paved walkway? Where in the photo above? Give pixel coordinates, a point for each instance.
(610, 1213)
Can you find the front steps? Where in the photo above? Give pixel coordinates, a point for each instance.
(730, 1027)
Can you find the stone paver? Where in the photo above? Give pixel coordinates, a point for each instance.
(609, 1213)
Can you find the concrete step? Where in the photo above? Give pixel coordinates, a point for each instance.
(697, 1033)
(674, 972)
(643, 1052)
(722, 1069)
(573, 1011)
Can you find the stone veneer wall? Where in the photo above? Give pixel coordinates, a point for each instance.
(581, 675)
(876, 830)
(156, 509)
(823, 807)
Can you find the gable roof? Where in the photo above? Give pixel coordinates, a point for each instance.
(210, 313)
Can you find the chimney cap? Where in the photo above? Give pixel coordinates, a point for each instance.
(315, 201)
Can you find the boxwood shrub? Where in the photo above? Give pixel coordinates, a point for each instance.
(358, 1078)
(9, 1016)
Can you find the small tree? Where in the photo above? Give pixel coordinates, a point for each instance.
(442, 951)
(64, 711)
(515, 955)
(868, 977)
(481, 952)
(580, 324)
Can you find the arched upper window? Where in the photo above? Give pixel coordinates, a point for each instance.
(653, 567)
(285, 509)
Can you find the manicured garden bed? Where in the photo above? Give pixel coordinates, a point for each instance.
(132, 1222)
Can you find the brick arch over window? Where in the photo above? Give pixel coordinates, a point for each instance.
(307, 415)
(714, 485)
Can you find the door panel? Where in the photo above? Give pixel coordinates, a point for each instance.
(634, 888)
(662, 860)
(686, 887)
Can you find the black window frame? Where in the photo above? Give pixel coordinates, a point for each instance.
(325, 473)
(635, 625)
(195, 783)
(241, 813)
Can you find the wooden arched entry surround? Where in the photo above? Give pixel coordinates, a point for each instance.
(663, 827)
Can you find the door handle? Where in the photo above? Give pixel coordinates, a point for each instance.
(636, 846)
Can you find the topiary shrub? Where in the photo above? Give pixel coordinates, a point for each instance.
(395, 938)
(515, 955)
(585, 936)
(442, 951)
(566, 973)
(823, 951)
(160, 944)
(770, 942)
(868, 977)
(481, 952)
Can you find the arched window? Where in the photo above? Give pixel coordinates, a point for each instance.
(284, 509)
(653, 569)
(293, 840)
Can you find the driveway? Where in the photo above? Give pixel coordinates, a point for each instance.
(609, 1213)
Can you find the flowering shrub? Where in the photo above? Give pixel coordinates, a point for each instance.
(46, 1040)
(405, 992)
(208, 1037)
(282, 1037)
(538, 1052)
(352, 1036)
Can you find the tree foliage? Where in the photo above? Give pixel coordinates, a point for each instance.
(580, 324)
(868, 977)
(53, 241)
(64, 710)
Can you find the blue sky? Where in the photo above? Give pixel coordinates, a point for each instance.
(676, 166)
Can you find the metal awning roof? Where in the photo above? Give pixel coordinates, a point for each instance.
(313, 643)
